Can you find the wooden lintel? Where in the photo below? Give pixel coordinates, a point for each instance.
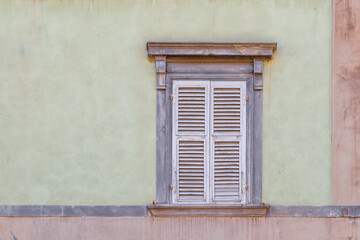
(210, 49)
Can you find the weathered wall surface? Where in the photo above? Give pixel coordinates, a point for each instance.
(346, 103)
(99, 228)
(77, 95)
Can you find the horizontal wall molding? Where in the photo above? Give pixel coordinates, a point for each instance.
(332, 211)
(142, 211)
(214, 210)
(72, 211)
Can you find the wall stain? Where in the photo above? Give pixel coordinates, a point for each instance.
(345, 18)
(13, 236)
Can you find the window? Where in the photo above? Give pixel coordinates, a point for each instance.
(209, 144)
(209, 122)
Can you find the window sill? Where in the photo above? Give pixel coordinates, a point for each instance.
(208, 210)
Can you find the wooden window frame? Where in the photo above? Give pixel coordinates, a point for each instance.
(208, 58)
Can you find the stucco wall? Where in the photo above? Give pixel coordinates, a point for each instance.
(77, 95)
(346, 103)
(137, 228)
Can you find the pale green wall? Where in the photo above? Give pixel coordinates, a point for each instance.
(77, 95)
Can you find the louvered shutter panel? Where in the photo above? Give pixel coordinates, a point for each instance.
(190, 141)
(228, 140)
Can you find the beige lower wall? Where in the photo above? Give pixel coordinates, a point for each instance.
(346, 103)
(100, 228)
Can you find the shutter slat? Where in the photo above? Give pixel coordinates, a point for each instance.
(226, 183)
(191, 188)
(192, 185)
(195, 124)
(190, 196)
(192, 113)
(225, 117)
(193, 130)
(188, 172)
(192, 119)
(227, 98)
(190, 165)
(226, 168)
(190, 168)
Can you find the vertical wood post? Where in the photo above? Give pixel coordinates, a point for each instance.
(162, 186)
(256, 175)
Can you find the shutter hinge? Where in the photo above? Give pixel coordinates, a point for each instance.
(171, 187)
(246, 187)
(172, 97)
(246, 97)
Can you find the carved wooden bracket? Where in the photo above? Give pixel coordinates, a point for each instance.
(258, 74)
(160, 64)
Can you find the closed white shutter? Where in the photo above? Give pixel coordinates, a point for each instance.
(190, 141)
(228, 141)
(209, 141)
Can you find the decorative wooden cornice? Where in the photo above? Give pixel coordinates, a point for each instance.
(210, 49)
(208, 210)
(161, 52)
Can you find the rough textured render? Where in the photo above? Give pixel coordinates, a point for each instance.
(346, 103)
(138, 228)
(78, 95)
